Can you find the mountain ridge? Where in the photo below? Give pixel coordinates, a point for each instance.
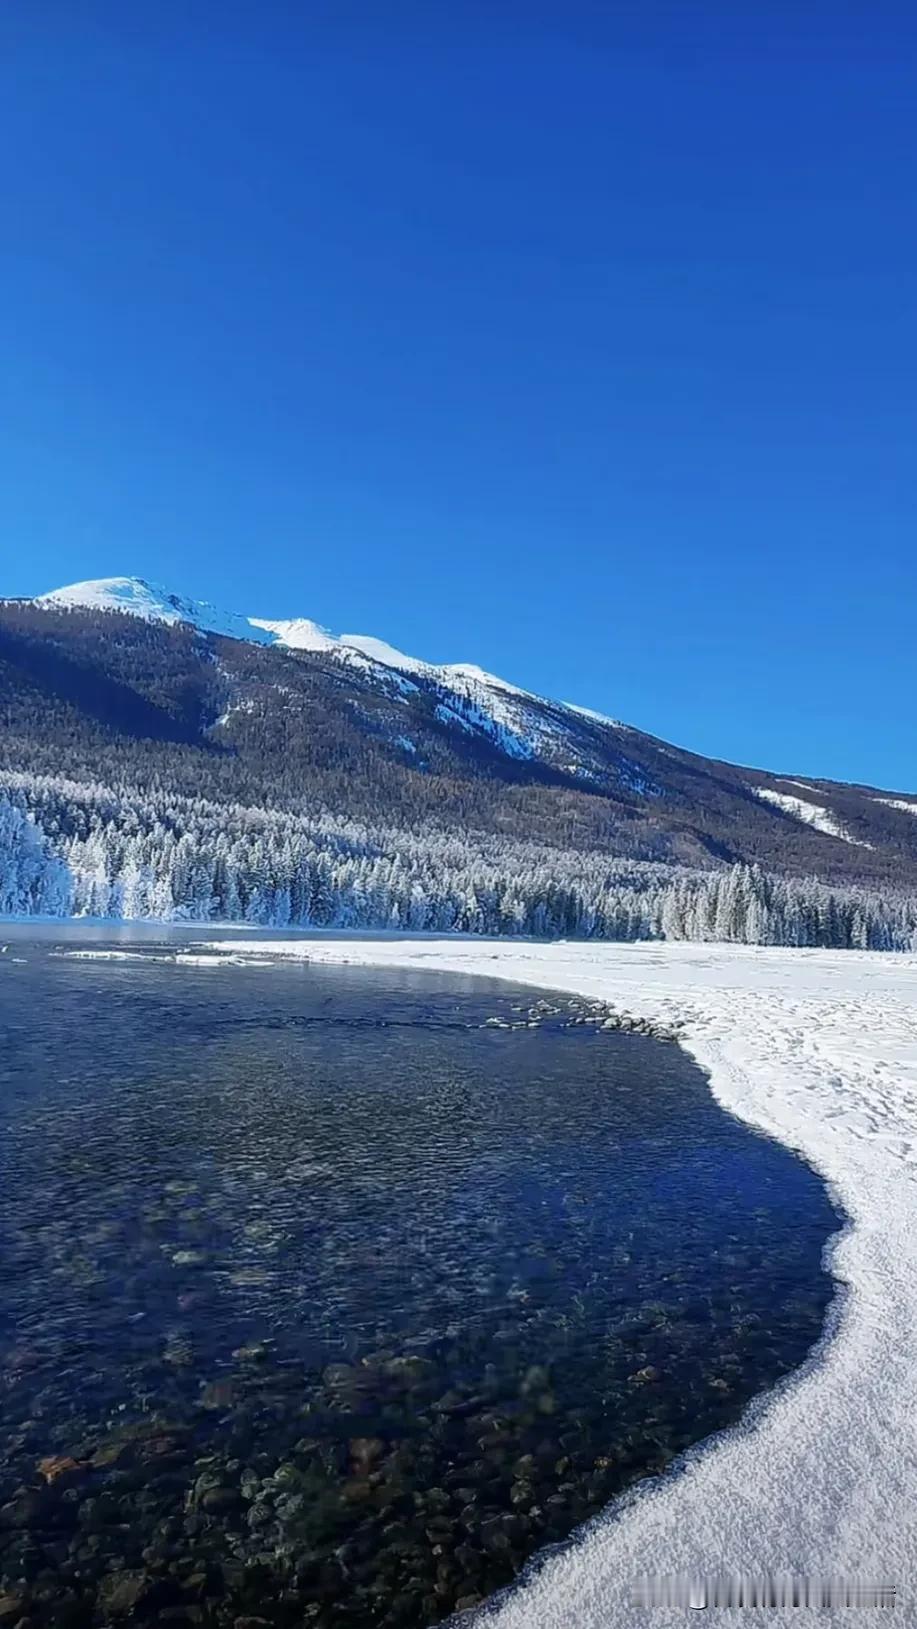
(277, 711)
(138, 597)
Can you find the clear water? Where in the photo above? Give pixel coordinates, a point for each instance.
(322, 1304)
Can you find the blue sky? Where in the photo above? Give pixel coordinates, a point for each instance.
(577, 341)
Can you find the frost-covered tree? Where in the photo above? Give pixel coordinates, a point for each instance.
(33, 880)
(137, 852)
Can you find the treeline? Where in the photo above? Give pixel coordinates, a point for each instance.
(88, 849)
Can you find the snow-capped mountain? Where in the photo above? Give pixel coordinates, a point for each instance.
(280, 710)
(520, 724)
(142, 599)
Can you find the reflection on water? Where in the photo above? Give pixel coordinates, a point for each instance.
(322, 1304)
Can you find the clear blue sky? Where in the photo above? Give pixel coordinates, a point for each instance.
(576, 340)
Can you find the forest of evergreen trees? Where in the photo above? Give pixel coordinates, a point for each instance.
(75, 848)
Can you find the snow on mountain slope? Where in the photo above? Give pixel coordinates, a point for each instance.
(898, 803)
(519, 724)
(380, 651)
(596, 718)
(154, 604)
(811, 814)
(300, 633)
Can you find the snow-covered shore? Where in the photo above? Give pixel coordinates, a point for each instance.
(819, 1049)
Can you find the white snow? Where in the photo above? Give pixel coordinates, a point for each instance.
(898, 803)
(811, 814)
(471, 711)
(246, 706)
(819, 1049)
(379, 651)
(448, 715)
(190, 958)
(476, 676)
(300, 633)
(596, 718)
(115, 955)
(154, 604)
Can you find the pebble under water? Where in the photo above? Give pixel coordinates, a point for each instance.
(325, 1302)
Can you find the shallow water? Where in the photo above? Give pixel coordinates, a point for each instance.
(322, 1303)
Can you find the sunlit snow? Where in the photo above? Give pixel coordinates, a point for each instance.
(898, 803)
(138, 598)
(597, 718)
(811, 814)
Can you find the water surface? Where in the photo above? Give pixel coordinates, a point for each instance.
(321, 1303)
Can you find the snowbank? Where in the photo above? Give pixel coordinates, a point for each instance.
(820, 1049)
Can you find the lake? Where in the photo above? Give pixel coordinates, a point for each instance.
(331, 1296)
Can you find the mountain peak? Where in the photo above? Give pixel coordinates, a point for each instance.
(520, 724)
(139, 598)
(132, 594)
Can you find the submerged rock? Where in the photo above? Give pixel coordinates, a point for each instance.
(254, 1352)
(219, 1394)
(56, 1466)
(121, 1593)
(365, 1451)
